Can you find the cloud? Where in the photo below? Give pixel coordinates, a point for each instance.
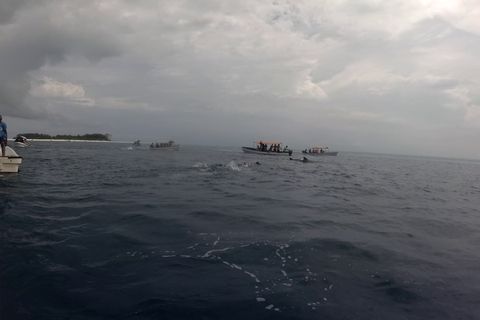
(63, 91)
(8, 9)
(130, 104)
(310, 90)
(463, 98)
(472, 116)
(47, 34)
(362, 68)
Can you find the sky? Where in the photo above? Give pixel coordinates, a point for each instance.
(392, 76)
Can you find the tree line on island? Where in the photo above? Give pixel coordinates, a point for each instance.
(91, 137)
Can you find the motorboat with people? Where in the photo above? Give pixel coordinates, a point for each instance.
(319, 151)
(136, 143)
(11, 161)
(21, 142)
(268, 148)
(167, 146)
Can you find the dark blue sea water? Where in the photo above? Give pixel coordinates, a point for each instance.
(98, 231)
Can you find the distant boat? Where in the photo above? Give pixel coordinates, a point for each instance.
(268, 148)
(319, 151)
(21, 142)
(11, 161)
(167, 146)
(137, 143)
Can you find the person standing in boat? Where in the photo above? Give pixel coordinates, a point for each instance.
(260, 146)
(3, 135)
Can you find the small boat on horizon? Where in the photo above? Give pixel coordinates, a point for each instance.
(268, 148)
(168, 146)
(319, 151)
(11, 161)
(136, 143)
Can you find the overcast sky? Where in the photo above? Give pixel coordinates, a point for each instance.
(392, 76)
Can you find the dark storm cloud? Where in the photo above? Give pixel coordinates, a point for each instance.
(8, 8)
(29, 43)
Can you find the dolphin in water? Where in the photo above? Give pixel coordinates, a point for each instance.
(304, 159)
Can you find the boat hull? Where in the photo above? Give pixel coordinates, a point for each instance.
(330, 153)
(11, 161)
(265, 153)
(21, 145)
(172, 148)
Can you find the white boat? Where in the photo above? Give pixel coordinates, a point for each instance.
(21, 142)
(319, 151)
(11, 161)
(22, 145)
(166, 146)
(268, 148)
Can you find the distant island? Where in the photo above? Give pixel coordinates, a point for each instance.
(90, 137)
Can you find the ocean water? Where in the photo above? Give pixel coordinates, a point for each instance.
(103, 231)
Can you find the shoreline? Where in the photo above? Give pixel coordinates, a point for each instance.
(71, 140)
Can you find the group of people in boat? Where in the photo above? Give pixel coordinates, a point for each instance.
(273, 147)
(21, 139)
(314, 151)
(161, 145)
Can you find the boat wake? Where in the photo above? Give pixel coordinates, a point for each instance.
(218, 167)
